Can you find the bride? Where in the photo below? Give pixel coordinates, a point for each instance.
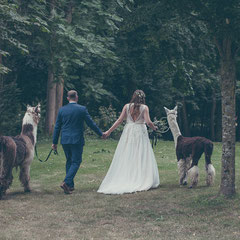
(133, 167)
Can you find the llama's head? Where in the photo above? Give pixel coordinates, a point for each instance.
(32, 115)
(172, 122)
(171, 114)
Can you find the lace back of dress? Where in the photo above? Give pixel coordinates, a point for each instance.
(140, 118)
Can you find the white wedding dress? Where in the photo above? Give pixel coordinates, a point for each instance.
(133, 167)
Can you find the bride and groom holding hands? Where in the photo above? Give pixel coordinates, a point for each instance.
(133, 167)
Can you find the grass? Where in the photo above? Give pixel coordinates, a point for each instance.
(168, 212)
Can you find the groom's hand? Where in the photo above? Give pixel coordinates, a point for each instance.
(54, 147)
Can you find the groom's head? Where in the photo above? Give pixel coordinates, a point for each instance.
(72, 95)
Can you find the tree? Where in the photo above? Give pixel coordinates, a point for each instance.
(63, 37)
(79, 31)
(12, 26)
(160, 52)
(15, 28)
(222, 20)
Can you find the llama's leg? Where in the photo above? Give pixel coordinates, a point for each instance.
(182, 171)
(210, 174)
(210, 170)
(6, 182)
(7, 159)
(193, 172)
(24, 177)
(188, 163)
(1, 192)
(3, 188)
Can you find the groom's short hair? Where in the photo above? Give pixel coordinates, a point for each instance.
(72, 94)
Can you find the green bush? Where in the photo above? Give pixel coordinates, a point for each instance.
(10, 108)
(105, 119)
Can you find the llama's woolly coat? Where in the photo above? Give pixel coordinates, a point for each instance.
(19, 151)
(189, 150)
(193, 147)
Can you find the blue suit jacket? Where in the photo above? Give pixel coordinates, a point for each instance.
(70, 122)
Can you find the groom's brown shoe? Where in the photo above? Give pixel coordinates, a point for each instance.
(65, 188)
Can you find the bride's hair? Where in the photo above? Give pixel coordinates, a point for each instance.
(138, 98)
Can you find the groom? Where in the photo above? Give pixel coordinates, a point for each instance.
(70, 121)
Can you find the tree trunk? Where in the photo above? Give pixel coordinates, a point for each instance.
(69, 12)
(202, 122)
(228, 85)
(212, 121)
(60, 84)
(185, 120)
(55, 89)
(54, 101)
(1, 63)
(1, 79)
(59, 96)
(51, 102)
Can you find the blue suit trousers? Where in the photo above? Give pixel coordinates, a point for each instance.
(73, 153)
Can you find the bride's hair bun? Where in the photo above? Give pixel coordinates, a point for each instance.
(140, 93)
(138, 98)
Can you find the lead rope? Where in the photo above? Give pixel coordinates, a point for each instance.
(55, 153)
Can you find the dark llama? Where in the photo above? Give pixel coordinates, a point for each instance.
(189, 150)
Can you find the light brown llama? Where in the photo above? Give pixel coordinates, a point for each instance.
(19, 151)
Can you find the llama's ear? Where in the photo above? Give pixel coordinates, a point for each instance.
(28, 106)
(37, 108)
(167, 110)
(175, 109)
(39, 105)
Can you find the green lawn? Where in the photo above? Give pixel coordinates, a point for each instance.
(168, 212)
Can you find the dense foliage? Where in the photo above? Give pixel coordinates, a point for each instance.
(106, 50)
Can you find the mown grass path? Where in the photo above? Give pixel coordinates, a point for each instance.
(168, 212)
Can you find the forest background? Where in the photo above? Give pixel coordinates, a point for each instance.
(106, 50)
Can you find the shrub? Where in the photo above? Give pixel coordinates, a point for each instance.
(105, 119)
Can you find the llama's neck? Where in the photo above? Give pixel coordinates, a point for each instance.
(29, 128)
(174, 129)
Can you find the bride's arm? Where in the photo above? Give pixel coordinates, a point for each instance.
(118, 122)
(148, 120)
